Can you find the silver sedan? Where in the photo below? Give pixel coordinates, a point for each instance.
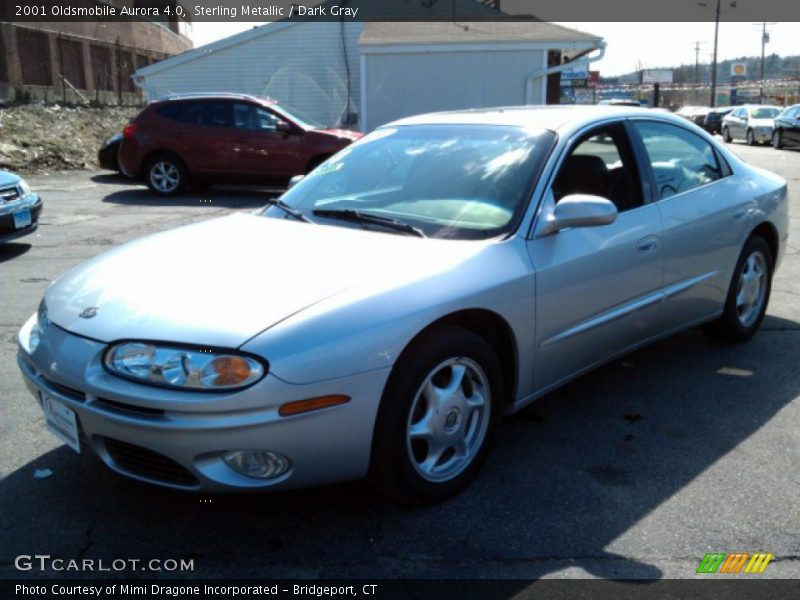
(379, 318)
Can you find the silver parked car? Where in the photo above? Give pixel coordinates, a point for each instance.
(20, 207)
(381, 316)
(752, 123)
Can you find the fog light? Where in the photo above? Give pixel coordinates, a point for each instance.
(258, 464)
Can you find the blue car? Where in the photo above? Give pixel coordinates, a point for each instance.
(19, 207)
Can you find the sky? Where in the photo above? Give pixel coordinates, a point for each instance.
(654, 44)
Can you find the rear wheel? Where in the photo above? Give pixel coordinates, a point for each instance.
(166, 175)
(748, 294)
(437, 417)
(750, 137)
(726, 135)
(777, 139)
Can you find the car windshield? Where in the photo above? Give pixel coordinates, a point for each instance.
(448, 181)
(298, 117)
(764, 113)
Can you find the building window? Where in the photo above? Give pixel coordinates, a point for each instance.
(101, 67)
(34, 47)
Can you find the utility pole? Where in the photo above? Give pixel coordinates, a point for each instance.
(713, 101)
(697, 62)
(732, 4)
(696, 72)
(764, 42)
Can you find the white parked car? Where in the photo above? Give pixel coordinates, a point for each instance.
(752, 123)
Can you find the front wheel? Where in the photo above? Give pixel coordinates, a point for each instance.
(437, 417)
(748, 294)
(777, 139)
(726, 135)
(750, 137)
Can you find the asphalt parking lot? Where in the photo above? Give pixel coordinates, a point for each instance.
(636, 470)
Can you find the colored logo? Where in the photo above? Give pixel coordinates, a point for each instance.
(721, 562)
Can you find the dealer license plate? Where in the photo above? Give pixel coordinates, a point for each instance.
(22, 219)
(61, 420)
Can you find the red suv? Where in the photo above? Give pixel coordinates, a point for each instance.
(206, 138)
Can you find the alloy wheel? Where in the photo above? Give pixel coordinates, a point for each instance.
(752, 287)
(449, 419)
(165, 176)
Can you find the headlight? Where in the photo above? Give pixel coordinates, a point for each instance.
(185, 368)
(24, 188)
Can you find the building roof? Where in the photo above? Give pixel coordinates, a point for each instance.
(469, 32)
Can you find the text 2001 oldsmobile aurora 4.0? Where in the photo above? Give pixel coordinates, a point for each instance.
(378, 320)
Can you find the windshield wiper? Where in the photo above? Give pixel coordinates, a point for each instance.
(293, 212)
(350, 214)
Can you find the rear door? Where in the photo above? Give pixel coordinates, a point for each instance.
(264, 150)
(205, 136)
(597, 287)
(704, 209)
(735, 123)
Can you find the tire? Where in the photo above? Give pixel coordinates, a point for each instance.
(166, 175)
(404, 465)
(726, 135)
(750, 138)
(738, 323)
(777, 139)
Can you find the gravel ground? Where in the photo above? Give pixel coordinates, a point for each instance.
(40, 139)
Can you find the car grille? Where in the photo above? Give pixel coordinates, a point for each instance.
(65, 391)
(128, 408)
(9, 194)
(146, 463)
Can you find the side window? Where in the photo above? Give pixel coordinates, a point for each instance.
(217, 114)
(601, 164)
(191, 113)
(169, 110)
(680, 159)
(253, 118)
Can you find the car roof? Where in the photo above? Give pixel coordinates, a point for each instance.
(538, 117)
(215, 96)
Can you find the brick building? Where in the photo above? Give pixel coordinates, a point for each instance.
(79, 61)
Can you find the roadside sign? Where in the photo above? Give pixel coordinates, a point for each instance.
(656, 75)
(738, 69)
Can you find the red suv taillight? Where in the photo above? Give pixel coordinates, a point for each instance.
(129, 131)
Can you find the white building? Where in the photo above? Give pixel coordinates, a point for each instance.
(361, 75)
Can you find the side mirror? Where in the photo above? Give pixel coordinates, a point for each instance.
(283, 127)
(294, 181)
(580, 210)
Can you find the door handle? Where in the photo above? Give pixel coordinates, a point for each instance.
(647, 244)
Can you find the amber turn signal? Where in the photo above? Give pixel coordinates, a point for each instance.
(303, 406)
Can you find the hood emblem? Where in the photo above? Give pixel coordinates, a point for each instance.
(89, 312)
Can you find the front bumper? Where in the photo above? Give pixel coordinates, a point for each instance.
(762, 135)
(8, 231)
(175, 438)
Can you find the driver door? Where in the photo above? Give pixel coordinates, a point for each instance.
(597, 288)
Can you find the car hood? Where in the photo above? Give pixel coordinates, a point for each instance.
(220, 282)
(761, 122)
(340, 133)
